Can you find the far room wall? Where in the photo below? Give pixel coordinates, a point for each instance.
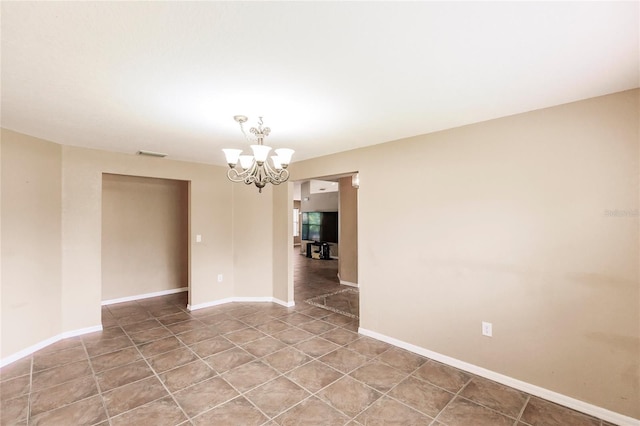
(145, 236)
(318, 202)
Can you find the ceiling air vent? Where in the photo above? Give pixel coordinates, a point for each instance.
(152, 153)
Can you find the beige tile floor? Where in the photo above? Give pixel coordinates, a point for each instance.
(252, 364)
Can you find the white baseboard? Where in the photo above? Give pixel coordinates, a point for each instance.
(265, 299)
(558, 398)
(41, 345)
(349, 283)
(72, 333)
(289, 304)
(80, 332)
(209, 304)
(240, 299)
(253, 299)
(144, 296)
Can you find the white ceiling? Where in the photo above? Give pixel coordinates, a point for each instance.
(326, 76)
(319, 186)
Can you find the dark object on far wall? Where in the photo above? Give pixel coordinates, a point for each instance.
(320, 226)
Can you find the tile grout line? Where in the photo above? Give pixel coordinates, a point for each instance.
(95, 379)
(287, 345)
(387, 393)
(240, 393)
(280, 374)
(190, 419)
(291, 345)
(31, 366)
(31, 392)
(315, 394)
(524, 406)
(155, 374)
(516, 418)
(451, 400)
(410, 374)
(93, 374)
(151, 368)
(311, 394)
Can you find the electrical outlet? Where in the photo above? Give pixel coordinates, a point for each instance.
(219, 278)
(487, 329)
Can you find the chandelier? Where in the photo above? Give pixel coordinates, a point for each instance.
(257, 168)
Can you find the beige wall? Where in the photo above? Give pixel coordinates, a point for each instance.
(283, 251)
(506, 223)
(253, 240)
(348, 232)
(31, 252)
(145, 226)
(210, 216)
(52, 214)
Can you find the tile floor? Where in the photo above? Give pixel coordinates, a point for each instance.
(345, 302)
(252, 364)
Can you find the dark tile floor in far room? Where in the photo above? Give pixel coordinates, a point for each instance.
(155, 363)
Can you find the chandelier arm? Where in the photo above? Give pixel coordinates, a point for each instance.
(252, 173)
(245, 176)
(235, 176)
(275, 176)
(283, 176)
(267, 168)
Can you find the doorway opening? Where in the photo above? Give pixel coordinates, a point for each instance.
(326, 253)
(145, 238)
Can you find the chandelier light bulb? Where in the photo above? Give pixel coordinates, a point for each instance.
(276, 162)
(260, 152)
(232, 156)
(285, 155)
(246, 161)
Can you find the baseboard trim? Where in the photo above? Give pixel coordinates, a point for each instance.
(558, 398)
(240, 299)
(349, 283)
(289, 304)
(73, 333)
(209, 304)
(144, 296)
(50, 341)
(81, 331)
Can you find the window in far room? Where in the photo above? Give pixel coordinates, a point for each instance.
(296, 222)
